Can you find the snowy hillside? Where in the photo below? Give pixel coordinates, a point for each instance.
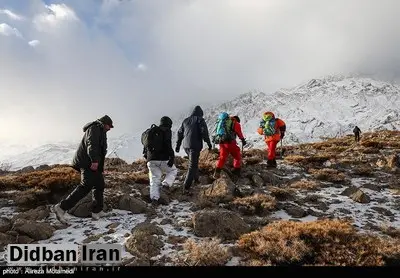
(320, 108)
(326, 107)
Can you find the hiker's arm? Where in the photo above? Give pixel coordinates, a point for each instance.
(260, 129)
(168, 141)
(282, 128)
(145, 152)
(238, 130)
(180, 137)
(204, 132)
(93, 143)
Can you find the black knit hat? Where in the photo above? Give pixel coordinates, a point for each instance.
(106, 120)
(166, 121)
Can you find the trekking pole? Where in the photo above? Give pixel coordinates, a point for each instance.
(281, 148)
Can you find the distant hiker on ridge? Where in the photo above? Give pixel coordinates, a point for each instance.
(193, 132)
(226, 131)
(273, 130)
(158, 151)
(89, 160)
(357, 132)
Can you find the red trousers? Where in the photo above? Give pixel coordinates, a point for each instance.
(271, 149)
(224, 151)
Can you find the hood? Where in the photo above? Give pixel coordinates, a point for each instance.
(166, 122)
(86, 126)
(268, 115)
(197, 111)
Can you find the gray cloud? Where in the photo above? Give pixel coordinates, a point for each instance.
(139, 60)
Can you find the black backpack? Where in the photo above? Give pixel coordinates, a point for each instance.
(152, 138)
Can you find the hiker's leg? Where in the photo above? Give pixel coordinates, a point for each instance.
(86, 185)
(155, 174)
(223, 155)
(271, 149)
(98, 192)
(193, 168)
(170, 173)
(237, 156)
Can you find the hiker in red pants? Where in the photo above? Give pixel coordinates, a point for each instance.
(229, 146)
(273, 130)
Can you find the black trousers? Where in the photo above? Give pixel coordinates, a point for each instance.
(357, 137)
(193, 169)
(89, 180)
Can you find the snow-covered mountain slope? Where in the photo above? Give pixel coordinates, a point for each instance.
(325, 107)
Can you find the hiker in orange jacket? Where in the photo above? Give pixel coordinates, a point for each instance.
(231, 147)
(273, 130)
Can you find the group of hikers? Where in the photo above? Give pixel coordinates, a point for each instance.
(159, 153)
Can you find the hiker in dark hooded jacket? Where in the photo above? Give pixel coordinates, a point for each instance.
(89, 160)
(160, 162)
(356, 132)
(191, 135)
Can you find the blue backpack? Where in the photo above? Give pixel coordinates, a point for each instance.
(224, 129)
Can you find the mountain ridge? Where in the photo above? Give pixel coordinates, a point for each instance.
(319, 108)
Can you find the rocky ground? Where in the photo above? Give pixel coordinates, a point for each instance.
(332, 202)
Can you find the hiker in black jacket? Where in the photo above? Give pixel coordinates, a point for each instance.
(356, 132)
(160, 162)
(89, 160)
(191, 135)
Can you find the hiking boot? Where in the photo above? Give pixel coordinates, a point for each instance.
(271, 163)
(217, 173)
(154, 203)
(236, 172)
(187, 192)
(60, 213)
(98, 215)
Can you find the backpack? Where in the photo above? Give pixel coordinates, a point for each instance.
(223, 129)
(152, 138)
(269, 127)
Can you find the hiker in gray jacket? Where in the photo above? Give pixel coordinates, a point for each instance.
(191, 135)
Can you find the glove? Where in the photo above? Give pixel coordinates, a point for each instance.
(209, 146)
(170, 162)
(244, 143)
(282, 135)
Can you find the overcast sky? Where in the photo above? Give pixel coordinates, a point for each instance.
(65, 63)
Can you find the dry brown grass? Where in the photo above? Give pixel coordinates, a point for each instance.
(372, 144)
(322, 242)
(391, 231)
(327, 174)
(252, 153)
(204, 253)
(254, 204)
(305, 184)
(137, 177)
(207, 160)
(252, 160)
(364, 170)
(336, 149)
(318, 159)
(115, 161)
(53, 179)
(281, 193)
